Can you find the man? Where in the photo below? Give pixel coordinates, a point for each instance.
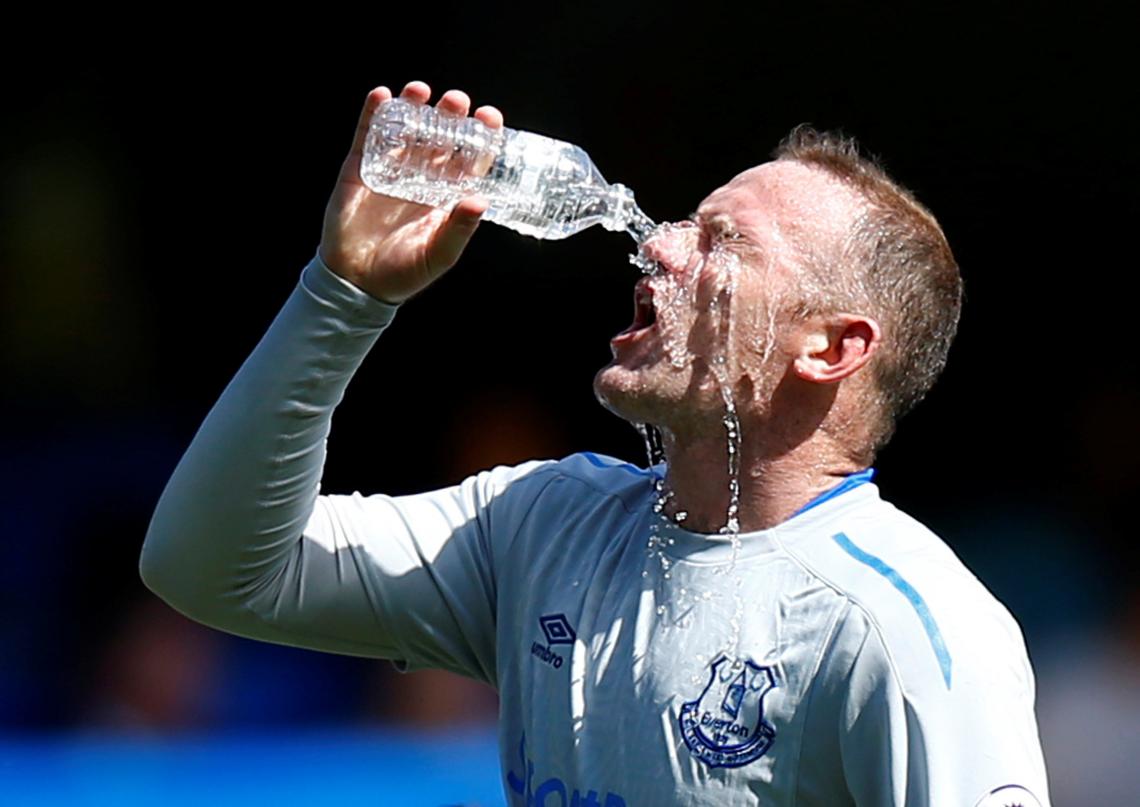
(745, 623)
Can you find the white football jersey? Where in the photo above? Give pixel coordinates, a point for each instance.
(844, 656)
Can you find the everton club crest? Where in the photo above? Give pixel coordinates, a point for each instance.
(725, 726)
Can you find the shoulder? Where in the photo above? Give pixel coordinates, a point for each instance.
(927, 672)
(583, 497)
(607, 476)
(580, 476)
(936, 625)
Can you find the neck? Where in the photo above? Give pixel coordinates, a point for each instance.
(774, 482)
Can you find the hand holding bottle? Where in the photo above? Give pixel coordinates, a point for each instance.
(534, 184)
(390, 248)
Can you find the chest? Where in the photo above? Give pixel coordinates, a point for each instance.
(623, 674)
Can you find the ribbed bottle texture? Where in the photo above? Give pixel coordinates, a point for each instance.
(536, 185)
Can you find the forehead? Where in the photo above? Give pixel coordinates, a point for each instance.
(781, 199)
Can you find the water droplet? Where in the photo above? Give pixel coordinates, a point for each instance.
(675, 303)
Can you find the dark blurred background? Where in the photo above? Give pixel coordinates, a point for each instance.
(162, 192)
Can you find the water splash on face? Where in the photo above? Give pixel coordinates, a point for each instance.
(674, 283)
(722, 370)
(676, 298)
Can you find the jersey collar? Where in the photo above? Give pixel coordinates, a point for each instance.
(709, 548)
(852, 480)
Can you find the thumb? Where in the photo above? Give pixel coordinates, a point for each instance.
(456, 231)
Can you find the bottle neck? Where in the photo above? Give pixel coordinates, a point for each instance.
(625, 215)
(639, 226)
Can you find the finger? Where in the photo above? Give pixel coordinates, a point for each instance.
(371, 101)
(472, 206)
(492, 118)
(489, 115)
(452, 102)
(416, 91)
(455, 101)
(457, 231)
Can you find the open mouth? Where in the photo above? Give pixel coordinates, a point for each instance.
(644, 313)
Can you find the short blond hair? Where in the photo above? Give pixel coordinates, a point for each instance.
(902, 269)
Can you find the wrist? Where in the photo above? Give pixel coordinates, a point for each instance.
(376, 294)
(355, 303)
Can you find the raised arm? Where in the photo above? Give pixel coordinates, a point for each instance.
(241, 540)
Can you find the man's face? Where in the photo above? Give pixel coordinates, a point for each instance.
(712, 323)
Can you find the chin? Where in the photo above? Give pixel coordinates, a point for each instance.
(626, 394)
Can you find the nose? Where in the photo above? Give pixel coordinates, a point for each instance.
(672, 246)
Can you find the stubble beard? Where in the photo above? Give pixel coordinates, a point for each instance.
(691, 399)
(635, 395)
(682, 401)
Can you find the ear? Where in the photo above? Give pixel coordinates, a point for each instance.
(835, 347)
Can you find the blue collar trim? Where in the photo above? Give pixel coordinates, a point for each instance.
(852, 481)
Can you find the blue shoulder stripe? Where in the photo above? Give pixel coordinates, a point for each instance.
(908, 591)
(598, 462)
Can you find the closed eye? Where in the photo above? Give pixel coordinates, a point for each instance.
(720, 226)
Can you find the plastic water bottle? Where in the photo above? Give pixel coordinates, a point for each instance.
(536, 185)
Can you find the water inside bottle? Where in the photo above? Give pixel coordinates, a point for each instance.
(536, 185)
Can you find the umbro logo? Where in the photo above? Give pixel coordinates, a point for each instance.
(557, 630)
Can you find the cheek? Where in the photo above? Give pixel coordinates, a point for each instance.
(716, 288)
(714, 310)
(760, 325)
(718, 278)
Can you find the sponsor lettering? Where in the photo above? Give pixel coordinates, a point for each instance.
(553, 792)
